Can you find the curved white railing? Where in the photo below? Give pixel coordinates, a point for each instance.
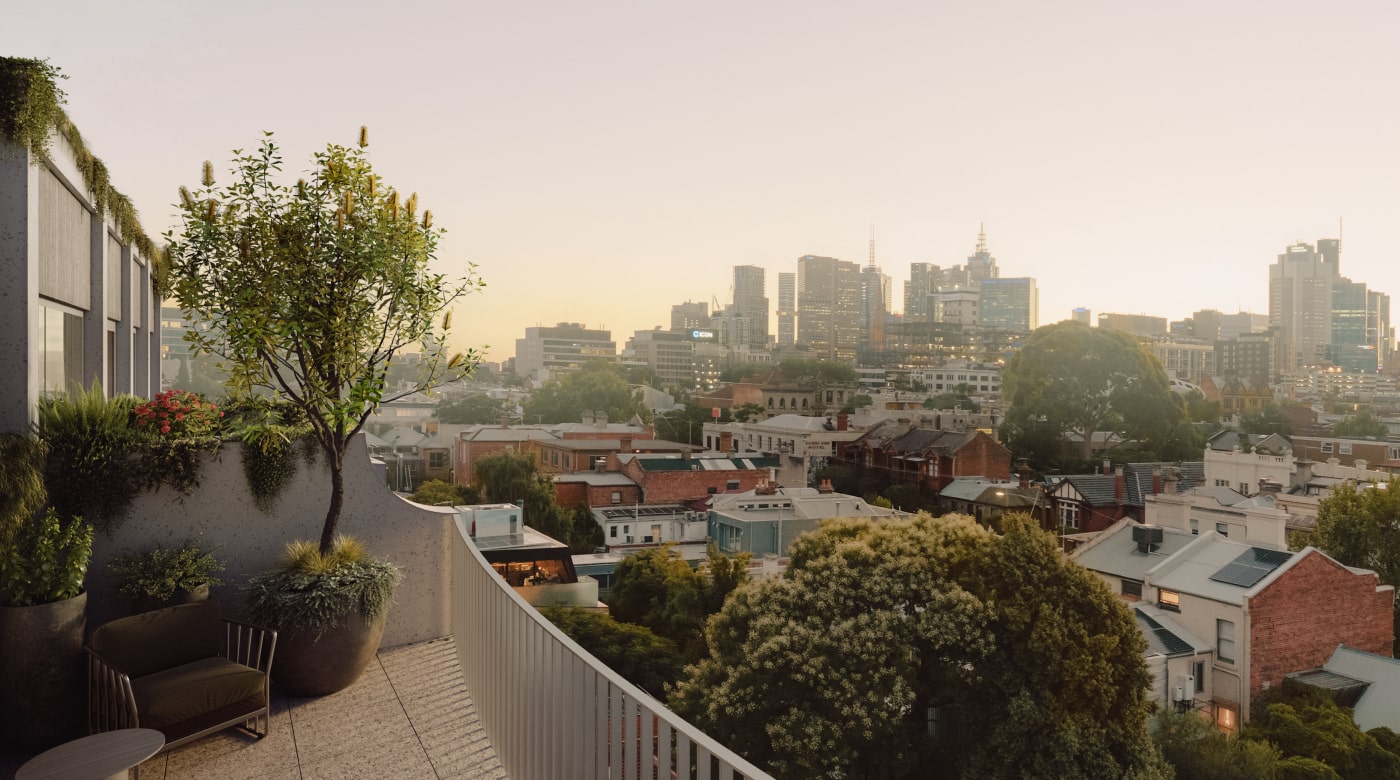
(551, 709)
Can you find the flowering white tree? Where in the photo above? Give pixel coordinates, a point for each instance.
(923, 647)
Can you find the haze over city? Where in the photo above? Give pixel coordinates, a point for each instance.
(602, 162)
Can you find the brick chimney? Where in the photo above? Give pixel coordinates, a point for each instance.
(625, 443)
(842, 420)
(505, 421)
(726, 441)
(825, 487)
(1118, 485)
(1107, 467)
(1171, 481)
(1025, 480)
(1156, 480)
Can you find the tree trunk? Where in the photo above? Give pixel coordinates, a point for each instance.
(337, 501)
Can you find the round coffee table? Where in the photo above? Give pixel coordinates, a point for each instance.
(96, 757)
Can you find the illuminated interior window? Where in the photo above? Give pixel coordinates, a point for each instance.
(1169, 599)
(1226, 717)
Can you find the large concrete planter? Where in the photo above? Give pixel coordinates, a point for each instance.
(42, 676)
(316, 667)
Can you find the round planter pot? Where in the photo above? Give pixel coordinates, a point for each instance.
(303, 667)
(42, 677)
(149, 603)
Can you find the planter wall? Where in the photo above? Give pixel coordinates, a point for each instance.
(221, 515)
(42, 674)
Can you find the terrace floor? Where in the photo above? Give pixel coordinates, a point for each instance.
(409, 716)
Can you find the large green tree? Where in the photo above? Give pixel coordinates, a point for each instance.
(1266, 419)
(659, 590)
(473, 409)
(1362, 425)
(646, 660)
(596, 387)
(1361, 527)
(1020, 662)
(312, 289)
(515, 478)
(1071, 379)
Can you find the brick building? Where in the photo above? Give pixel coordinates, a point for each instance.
(673, 479)
(1245, 613)
(931, 457)
(1088, 503)
(594, 489)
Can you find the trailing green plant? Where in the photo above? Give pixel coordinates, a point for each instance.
(22, 492)
(46, 561)
(314, 592)
(160, 572)
(31, 106)
(89, 469)
(269, 461)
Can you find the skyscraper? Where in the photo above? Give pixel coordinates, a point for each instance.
(1082, 316)
(1300, 302)
(751, 306)
(1009, 304)
(690, 315)
(828, 306)
(787, 309)
(981, 266)
(924, 281)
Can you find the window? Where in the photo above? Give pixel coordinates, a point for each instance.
(617, 497)
(1169, 600)
(1132, 588)
(1226, 718)
(612, 532)
(1327, 447)
(1195, 526)
(1222, 528)
(1198, 671)
(1244, 488)
(1344, 448)
(437, 460)
(60, 344)
(1225, 641)
(1395, 453)
(1222, 483)
(1069, 515)
(732, 484)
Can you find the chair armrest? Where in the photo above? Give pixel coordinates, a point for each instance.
(111, 704)
(248, 644)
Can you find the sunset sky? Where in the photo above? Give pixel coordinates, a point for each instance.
(603, 161)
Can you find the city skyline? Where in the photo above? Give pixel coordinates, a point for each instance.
(601, 164)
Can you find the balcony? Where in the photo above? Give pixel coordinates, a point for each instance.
(471, 682)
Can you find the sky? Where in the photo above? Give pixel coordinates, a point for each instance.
(599, 162)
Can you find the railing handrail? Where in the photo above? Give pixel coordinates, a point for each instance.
(613, 698)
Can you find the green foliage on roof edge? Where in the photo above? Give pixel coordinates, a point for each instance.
(31, 103)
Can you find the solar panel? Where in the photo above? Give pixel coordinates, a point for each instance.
(1251, 566)
(1172, 643)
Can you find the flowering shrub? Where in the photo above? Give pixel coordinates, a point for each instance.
(178, 414)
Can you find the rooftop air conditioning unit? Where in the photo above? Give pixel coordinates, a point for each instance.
(1147, 537)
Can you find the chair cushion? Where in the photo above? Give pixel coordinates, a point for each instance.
(153, 641)
(193, 689)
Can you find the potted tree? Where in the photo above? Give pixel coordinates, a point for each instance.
(164, 576)
(310, 291)
(43, 561)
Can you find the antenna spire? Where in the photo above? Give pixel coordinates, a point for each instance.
(872, 245)
(981, 238)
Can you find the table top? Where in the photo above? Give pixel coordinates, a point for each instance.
(94, 756)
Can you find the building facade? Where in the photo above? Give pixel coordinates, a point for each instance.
(568, 346)
(750, 306)
(77, 290)
(829, 303)
(1010, 303)
(787, 309)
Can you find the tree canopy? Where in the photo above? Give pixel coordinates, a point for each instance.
(659, 590)
(1266, 419)
(1020, 662)
(646, 660)
(598, 386)
(435, 492)
(515, 478)
(474, 409)
(311, 290)
(818, 370)
(1361, 528)
(1362, 425)
(1071, 379)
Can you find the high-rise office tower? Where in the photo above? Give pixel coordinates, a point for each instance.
(751, 305)
(981, 266)
(1300, 302)
(924, 281)
(828, 307)
(787, 309)
(1378, 328)
(690, 315)
(1351, 348)
(1009, 304)
(1082, 316)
